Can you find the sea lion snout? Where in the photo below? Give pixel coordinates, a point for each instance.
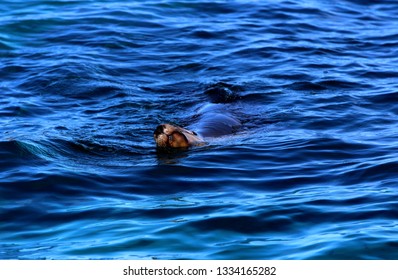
(159, 130)
(160, 136)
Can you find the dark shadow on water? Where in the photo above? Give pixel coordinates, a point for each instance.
(222, 93)
(171, 156)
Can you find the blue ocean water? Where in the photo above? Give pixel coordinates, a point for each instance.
(312, 174)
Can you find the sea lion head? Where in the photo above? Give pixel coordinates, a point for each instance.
(170, 136)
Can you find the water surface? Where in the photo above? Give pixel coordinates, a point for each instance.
(311, 174)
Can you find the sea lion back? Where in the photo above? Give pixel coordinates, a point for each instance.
(216, 125)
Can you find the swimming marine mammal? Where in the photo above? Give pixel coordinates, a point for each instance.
(213, 121)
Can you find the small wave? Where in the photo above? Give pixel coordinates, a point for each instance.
(21, 152)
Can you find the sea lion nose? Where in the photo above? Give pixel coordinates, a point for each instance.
(159, 130)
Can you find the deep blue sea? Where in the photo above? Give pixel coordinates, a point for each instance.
(311, 174)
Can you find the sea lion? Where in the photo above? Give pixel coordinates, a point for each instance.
(213, 121)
